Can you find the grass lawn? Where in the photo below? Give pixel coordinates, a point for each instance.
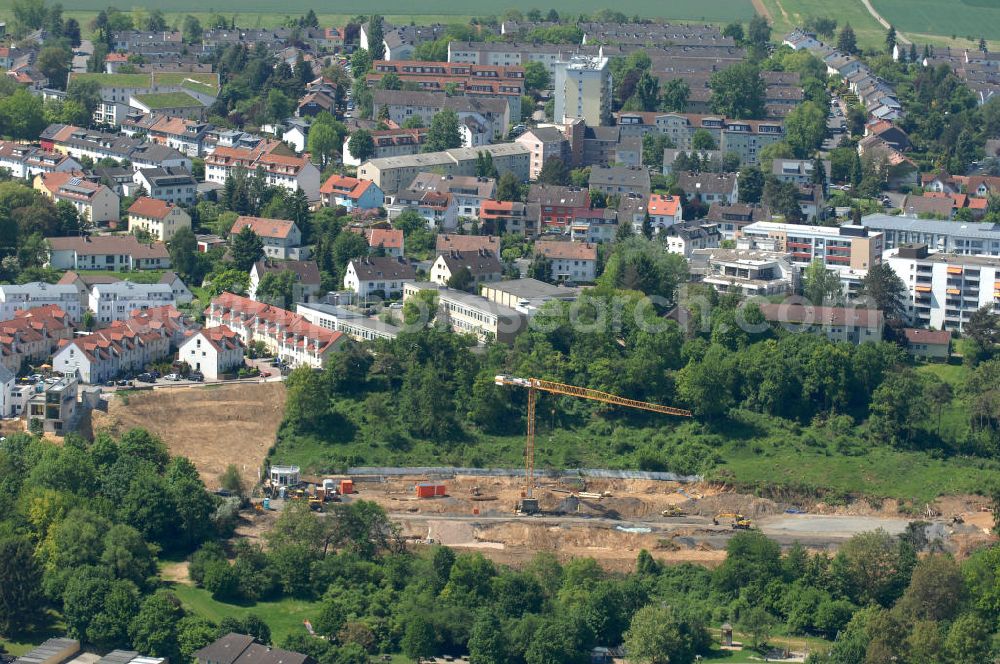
(160, 100)
(284, 617)
(115, 80)
(23, 643)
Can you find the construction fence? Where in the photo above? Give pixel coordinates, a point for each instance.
(374, 472)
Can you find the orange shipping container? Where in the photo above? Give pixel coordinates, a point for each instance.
(346, 487)
(440, 490)
(425, 490)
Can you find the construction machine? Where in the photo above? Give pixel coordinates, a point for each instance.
(739, 522)
(673, 510)
(528, 503)
(316, 504)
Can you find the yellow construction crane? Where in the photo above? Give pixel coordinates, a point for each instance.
(528, 503)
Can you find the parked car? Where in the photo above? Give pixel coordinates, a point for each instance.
(121, 382)
(172, 376)
(146, 378)
(196, 375)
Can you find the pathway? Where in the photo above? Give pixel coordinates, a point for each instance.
(885, 24)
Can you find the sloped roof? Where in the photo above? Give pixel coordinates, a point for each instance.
(152, 208)
(264, 227)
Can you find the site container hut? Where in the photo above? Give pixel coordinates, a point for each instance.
(425, 490)
(284, 475)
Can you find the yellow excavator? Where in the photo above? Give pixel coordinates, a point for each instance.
(739, 522)
(673, 510)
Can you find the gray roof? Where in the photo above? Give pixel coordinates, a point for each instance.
(225, 650)
(459, 104)
(477, 263)
(49, 650)
(530, 289)
(547, 134)
(616, 175)
(982, 230)
(370, 268)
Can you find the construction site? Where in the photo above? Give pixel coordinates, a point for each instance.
(511, 515)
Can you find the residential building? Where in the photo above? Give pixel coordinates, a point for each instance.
(446, 243)
(528, 296)
(851, 325)
(307, 278)
(79, 143)
(282, 238)
(544, 143)
(712, 157)
(468, 79)
(289, 336)
(966, 238)
(27, 161)
(924, 207)
(53, 403)
(731, 219)
(388, 143)
(387, 240)
(180, 104)
(174, 185)
(117, 301)
(31, 336)
(515, 53)
(351, 193)
(378, 276)
(483, 266)
(160, 219)
(280, 168)
(798, 171)
(501, 217)
(16, 298)
(685, 237)
(106, 252)
(471, 314)
(468, 192)
(94, 202)
(571, 261)
(352, 323)
(665, 210)
(597, 225)
(558, 205)
(710, 188)
(184, 135)
(214, 351)
(928, 344)
(439, 209)
(617, 180)
(748, 272)
(944, 290)
(124, 347)
(182, 294)
(746, 138)
(241, 649)
(848, 250)
(394, 174)
(495, 112)
(582, 90)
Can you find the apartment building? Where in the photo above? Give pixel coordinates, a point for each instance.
(27, 161)
(468, 79)
(378, 276)
(618, 180)
(496, 113)
(544, 143)
(732, 219)
(745, 138)
(848, 250)
(685, 237)
(288, 335)
(282, 237)
(467, 191)
(582, 90)
(352, 323)
(79, 143)
(117, 301)
(158, 218)
(856, 326)
(710, 188)
(388, 143)
(571, 261)
(53, 403)
(748, 272)
(174, 185)
(483, 266)
(184, 135)
(508, 217)
(15, 298)
(94, 202)
(516, 53)
(944, 289)
(280, 168)
(394, 174)
(951, 237)
(106, 252)
(596, 225)
(471, 314)
(307, 278)
(558, 205)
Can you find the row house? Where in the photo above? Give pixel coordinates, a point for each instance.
(115, 350)
(26, 161)
(31, 336)
(96, 145)
(290, 172)
(446, 243)
(287, 335)
(186, 136)
(18, 298)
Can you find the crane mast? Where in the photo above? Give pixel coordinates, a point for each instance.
(533, 385)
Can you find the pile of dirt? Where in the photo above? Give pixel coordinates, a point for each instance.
(213, 426)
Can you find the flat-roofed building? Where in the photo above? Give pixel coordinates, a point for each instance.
(953, 237)
(394, 174)
(472, 314)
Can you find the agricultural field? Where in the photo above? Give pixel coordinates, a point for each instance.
(971, 19)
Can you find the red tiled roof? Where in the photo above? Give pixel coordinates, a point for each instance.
(663, 205)
(152, 208)
(808, 314)
(559, 249)
(390, 238)
(264, 227)
(446, 243)
(290, 324)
